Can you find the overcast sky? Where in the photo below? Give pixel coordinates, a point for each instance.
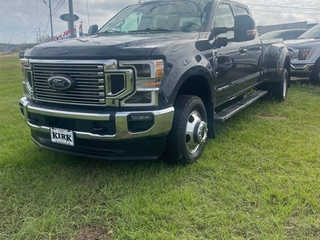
(22, 20)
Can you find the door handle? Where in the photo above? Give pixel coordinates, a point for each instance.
(243, 50)
(255, 48)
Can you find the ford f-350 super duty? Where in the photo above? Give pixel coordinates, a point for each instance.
(151, 82)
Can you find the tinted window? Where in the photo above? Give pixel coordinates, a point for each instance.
(312, 33)
(168, 15)
(285, 34)
(225, 18)
(241, 11)
(298, 34)
(291, 34)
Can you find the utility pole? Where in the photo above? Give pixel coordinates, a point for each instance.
(50, 16)
(51, 20)
(38, 34)
(71, 22)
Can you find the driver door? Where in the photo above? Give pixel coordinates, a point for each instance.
(231, 58)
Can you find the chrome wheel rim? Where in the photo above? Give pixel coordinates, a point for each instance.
(284, 87)
(196, 132)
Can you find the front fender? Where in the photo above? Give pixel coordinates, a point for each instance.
(183, 70)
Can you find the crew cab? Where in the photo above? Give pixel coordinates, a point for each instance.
(151, 82)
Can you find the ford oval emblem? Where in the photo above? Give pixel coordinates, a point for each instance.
(60, 83)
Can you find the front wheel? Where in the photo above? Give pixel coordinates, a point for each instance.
(315, 77)
(279, 89)
(189, 131)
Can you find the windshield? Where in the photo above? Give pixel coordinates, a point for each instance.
(160, 16)
(311, 33)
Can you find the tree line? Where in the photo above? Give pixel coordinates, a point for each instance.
(10, 48)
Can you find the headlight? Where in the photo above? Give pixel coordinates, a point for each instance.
(26, 76)
(305, 53)
(149, 74)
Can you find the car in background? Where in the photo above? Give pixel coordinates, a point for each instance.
(286, 34)
(22, 52)
(305, 55)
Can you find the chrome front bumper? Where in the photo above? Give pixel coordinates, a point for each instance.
(298, 69)
(161, 127)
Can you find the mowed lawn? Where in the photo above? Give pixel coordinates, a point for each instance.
(259, 179)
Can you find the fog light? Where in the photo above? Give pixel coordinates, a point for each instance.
(141, 117)
(140, 122)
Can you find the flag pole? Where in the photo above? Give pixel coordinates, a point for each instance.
(71, 22)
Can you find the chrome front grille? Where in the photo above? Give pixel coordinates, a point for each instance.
(89, 83)
(94, 81)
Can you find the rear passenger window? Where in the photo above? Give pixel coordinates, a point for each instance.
(241, 10)
(287, 36)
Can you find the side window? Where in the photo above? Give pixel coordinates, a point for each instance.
(287, 36)
(296, 35)
(241, 10)
(225, 18)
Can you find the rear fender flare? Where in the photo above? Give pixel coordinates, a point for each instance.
(278, 58)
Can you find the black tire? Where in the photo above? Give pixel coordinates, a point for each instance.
(315, 76)
(279, 90)
(188, 135)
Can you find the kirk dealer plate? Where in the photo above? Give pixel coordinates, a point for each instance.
(62, 136)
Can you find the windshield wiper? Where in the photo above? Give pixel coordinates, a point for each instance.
(151, 30)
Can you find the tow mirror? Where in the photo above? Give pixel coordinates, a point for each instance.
(93, 29)
(218, 30)
(244, 28)
(222, 42)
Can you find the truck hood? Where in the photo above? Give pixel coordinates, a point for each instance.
(114, 46)
(302, 42)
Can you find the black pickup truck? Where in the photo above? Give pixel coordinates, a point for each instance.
(151, 82)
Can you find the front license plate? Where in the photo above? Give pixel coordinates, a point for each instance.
(62, 136)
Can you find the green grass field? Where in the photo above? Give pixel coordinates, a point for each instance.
(259, 179)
